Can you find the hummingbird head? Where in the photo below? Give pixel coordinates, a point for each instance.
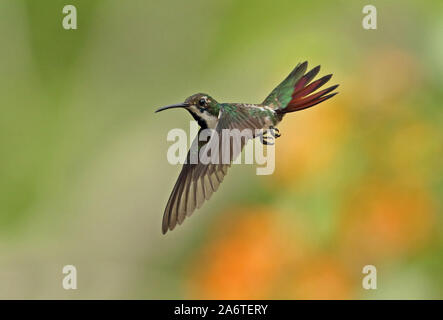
(203, 108)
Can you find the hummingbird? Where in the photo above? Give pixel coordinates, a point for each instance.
(198, 181)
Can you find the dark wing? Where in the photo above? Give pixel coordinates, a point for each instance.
(197, 182)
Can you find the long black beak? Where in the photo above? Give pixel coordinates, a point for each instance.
(172, 106)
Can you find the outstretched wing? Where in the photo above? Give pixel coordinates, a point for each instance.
(197, 182)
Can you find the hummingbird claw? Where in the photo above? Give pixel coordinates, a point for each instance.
(275, 132)
(270, 135)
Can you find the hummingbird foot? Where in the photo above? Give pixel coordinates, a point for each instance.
(269, 136)
(275, 132)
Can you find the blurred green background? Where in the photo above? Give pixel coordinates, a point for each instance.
(84, 178)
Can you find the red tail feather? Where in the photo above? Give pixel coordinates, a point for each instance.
(302, 96)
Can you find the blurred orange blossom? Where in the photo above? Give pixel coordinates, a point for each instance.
(245, 257)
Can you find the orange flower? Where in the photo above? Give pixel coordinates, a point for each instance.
(309, 141)
(244, 259)
(386, 220)
(322, 277)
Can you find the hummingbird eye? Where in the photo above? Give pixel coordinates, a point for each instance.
(202, 102)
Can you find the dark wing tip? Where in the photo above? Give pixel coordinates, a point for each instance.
(165, 223)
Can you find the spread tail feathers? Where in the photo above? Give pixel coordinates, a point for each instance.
(297, 92)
